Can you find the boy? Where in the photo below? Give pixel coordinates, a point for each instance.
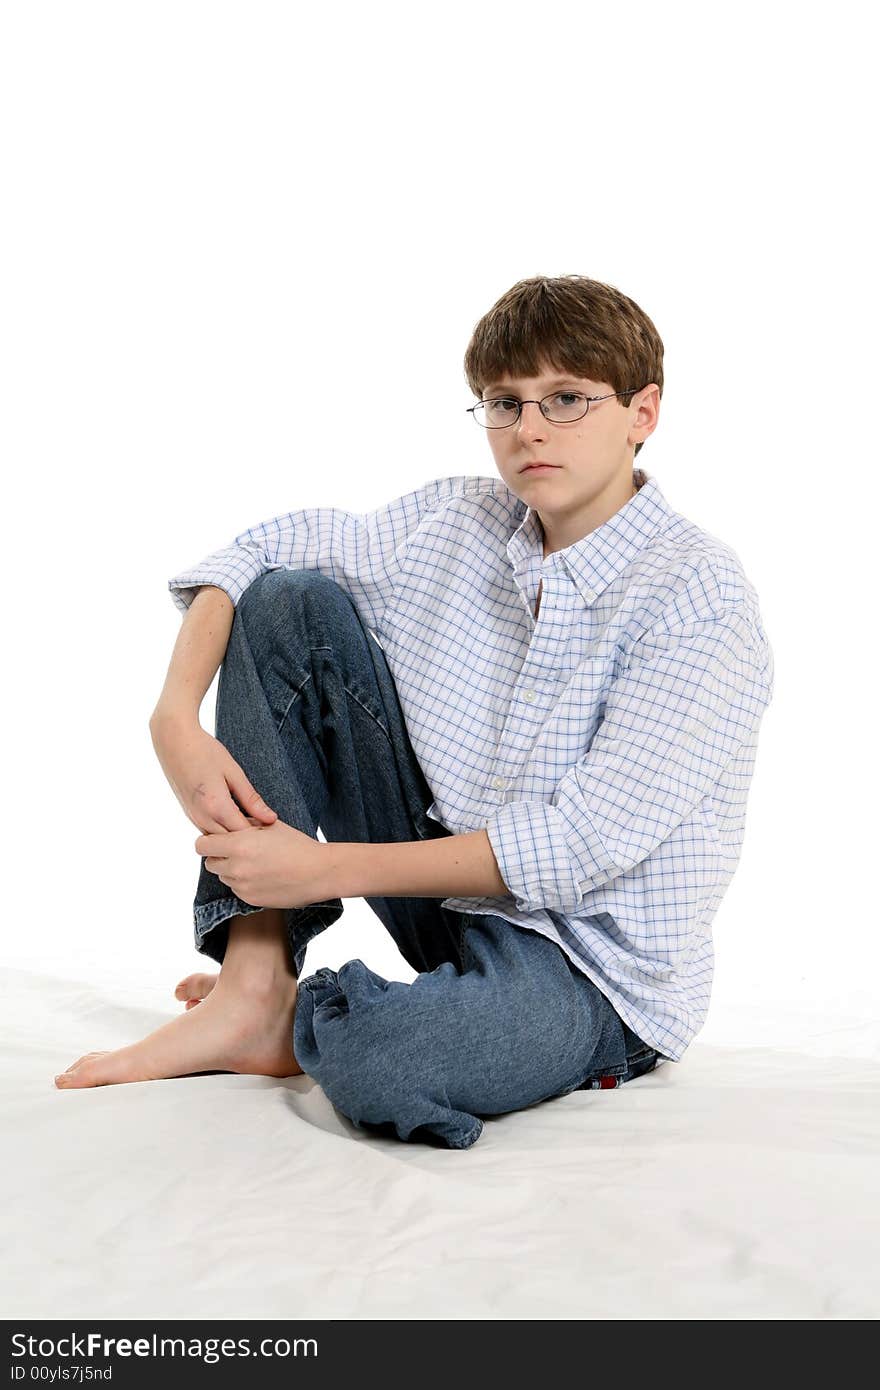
(523, 711)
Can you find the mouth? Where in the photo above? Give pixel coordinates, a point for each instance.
(539, 467)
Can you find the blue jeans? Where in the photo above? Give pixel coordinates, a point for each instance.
(497, 1018)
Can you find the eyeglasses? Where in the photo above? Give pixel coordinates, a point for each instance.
(560, 407)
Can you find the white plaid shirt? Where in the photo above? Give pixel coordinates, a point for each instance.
(606, 748)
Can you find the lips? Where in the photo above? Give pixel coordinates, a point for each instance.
(538, 467)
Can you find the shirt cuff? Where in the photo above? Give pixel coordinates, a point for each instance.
(236, 573)
(545, 862)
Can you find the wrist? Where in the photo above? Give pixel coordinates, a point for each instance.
(337, 870)
(174, 717)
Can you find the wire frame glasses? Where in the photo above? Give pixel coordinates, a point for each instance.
(561, 407)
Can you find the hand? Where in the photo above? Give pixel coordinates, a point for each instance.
(268, 865)
(205, 777)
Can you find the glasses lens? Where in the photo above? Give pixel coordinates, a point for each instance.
(565, 405)
(561, 407)
(495, 415)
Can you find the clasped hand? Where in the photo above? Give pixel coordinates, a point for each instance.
(268, 865)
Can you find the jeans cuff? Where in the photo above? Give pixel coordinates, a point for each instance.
(211, 929)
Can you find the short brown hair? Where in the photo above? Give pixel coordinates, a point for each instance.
(574, 324)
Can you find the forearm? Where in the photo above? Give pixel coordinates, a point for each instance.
(454, 866)
(199, 649)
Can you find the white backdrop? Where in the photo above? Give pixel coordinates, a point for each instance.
(219, 216)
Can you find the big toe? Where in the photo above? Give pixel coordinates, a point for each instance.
(195, 987)
(87, 1070)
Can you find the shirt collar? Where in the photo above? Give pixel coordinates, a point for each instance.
(598, 558)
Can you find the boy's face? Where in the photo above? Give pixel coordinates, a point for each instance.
(593, 456)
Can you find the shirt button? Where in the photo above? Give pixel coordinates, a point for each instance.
(499, 783)
(590, 595)
(530, 695)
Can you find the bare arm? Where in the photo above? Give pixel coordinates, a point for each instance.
(199, 649)
(459, 866)
(212, 788)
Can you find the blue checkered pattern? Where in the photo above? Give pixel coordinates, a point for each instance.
(607, 748)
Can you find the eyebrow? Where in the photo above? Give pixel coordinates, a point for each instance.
(556, 381)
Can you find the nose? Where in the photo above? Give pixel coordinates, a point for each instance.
(529, 424)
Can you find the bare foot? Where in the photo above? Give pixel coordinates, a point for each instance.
(243, 1026)
(195, 988)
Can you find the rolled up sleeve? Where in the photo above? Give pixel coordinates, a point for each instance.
(692, 695)
(233, 569)
(361, 552)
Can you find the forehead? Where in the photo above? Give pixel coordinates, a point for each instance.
(545, 383)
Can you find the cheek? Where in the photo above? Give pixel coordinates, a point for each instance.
(502, 454)
(589, 444)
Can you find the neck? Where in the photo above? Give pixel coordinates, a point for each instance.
(564, 529)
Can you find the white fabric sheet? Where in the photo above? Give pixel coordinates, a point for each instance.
(738, 1183)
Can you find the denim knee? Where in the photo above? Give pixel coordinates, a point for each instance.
(269, 590)
(356, 1034)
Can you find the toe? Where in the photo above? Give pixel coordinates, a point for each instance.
(74, 1077)
(67, 1078)
(84, 1058)
(195, 986)
(90, 1070)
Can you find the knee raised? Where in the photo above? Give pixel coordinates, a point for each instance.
(274, 588)
(276, 581)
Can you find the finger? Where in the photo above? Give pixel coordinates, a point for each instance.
(248, 797)
(232, 817)
(224, 843)
(211, 827)
(217, 809)
(209, 822)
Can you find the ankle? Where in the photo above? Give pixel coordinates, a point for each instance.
(257, 950)
(256, 979)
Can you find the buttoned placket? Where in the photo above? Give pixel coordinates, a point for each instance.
(533, 690)
(558, 591)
